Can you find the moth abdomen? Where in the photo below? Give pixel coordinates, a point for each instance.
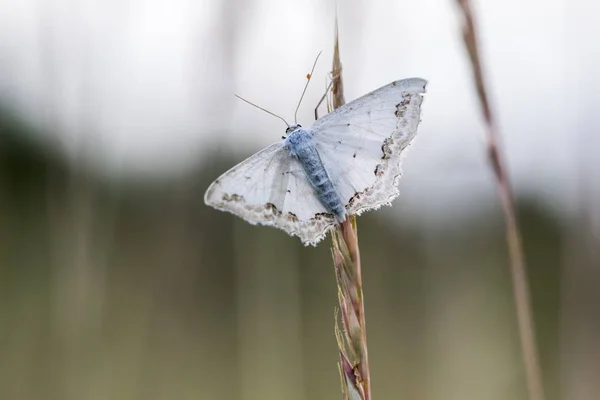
(301, 145)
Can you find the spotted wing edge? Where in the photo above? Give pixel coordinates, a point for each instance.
(310, 231)
(388, 171)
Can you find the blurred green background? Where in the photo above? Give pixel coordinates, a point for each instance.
(132, 290)
(117, 282)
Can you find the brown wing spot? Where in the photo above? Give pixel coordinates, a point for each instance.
(233, 197)
(292, 217)
(274, 210)
(401, 107)
(357, 196)
(353, 199)
(386, 148)
(320, 216)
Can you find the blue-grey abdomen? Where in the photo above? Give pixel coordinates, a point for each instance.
(301, 145)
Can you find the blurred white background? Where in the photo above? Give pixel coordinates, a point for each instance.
(147, 86)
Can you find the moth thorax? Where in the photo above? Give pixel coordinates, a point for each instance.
(298, 141)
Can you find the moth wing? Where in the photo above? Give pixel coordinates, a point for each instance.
(361, 143)
(270, 188)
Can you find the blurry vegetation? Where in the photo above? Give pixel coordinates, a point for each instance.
(138, 291)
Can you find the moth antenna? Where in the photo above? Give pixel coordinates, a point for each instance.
(265, 110)
(306, 86)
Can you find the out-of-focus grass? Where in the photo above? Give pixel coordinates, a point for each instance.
(160, 306)
(518, 267)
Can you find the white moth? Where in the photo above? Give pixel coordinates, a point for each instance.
(346, 163)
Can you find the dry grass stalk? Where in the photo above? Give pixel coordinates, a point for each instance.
(352, 339)
(337, 89)
(513, 237)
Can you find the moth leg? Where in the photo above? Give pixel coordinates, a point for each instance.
(323, 98)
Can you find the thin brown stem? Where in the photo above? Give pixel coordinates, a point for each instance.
(518, 273)
(513, 237)
(350, 236)
(352, 341)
